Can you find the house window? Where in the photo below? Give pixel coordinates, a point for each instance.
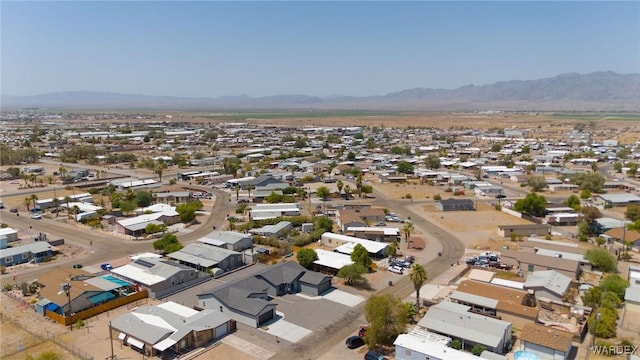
(25, 256)
(530, 267)
(8, 260)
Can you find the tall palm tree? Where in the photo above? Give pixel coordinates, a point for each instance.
(160, 169)
(418, 276)
(237, 191)
(340, 185)
(67, 199)
(359, 184)
(27, 202)
(34, 199)
(56, 203)
(249, 188)
(347, 191)
(76, 210)
(407, 229)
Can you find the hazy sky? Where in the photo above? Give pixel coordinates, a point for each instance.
(212, 49)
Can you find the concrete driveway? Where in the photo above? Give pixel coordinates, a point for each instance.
(286, 330)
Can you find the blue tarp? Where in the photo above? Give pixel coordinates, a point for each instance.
(51, 307)
(102, 297)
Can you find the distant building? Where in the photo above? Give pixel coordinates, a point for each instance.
(455, 205)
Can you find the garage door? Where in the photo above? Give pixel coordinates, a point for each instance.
(222, 330)
(265, 317)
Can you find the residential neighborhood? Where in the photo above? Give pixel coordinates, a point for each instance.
(202, 239)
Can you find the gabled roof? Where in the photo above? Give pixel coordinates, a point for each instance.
(228, 237)
(202, 254)
(511, 257)
(550, 280)
(546, 337)
(283, 273)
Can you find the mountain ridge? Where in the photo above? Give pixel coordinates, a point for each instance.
(598, 91)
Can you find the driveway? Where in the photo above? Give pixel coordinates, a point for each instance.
(285, 330)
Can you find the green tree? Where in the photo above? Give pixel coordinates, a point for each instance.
(418, 276)
(273, 198)
(432, 162)
(168, 244)
(477, 349)
(360, 256)
(387, 319)
(404, 167)
(603, 322)
(585, 194)
(633, 212)
(532, 204)
(154, 228)
(306, 257)
(615, 284)
(144, 198)
(127, 206)
(455, 344)
(187, 211)
(407, 229)
(537, 183)
(323, 223)
(366, 189)
(496, 148)
(339, 185)
(588, 181)
(573, 202)
(602, 259)
(617, 167)
(323, 192)
(352, 274)
(56, 204)
(592, 297)
(351, 156)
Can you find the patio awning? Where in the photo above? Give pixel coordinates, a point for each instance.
(135, 342)
(164, 344)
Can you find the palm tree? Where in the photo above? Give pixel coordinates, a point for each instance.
(67, 199)
(27, 203)
(76, 210)
(249, 188)
(340, 185)
(359, 184)
(33, 198)
(323, 192)
(56, 203)
(418, 276)
(159, 170)
(237, 191)
(62, 171)
(33, 178)
(347, 191)
(407, 229)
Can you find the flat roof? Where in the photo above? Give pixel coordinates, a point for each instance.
(332, 259)
(430, 348)
(474, 299)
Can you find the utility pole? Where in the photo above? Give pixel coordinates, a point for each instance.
(112, 357)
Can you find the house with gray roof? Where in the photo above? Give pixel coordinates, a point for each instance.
(159, 277)
(275, 230)
(455, 205)
(548, 284)
(169, 330)
(36, 252)
(230, 240)
(617, 200)
(248, 300)
(206, 257)
(455, 321)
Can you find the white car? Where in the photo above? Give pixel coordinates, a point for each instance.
(395, 269)
(36, 216)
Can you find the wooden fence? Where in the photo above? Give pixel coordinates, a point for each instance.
(91, 312)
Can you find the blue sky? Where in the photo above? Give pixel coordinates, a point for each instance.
(212, 49)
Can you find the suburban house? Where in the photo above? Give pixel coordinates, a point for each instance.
(159, 277)
(412, 347)
(455, 321)
(508, 304)
(135, 226)
(545, 342)
(548, 284)
(37, 252)
(274, 231)
(206, 257)
(172, 197)
(230, 240)
(622, 234)
(9, 234)
(386, 234)
(632, 294)
(248, 300)
(169, 330)
(270, 211)
(530, 262)
(617, 200)
(359, 217)
(85, 290)
(330, 262)
(345, 244)
(455, 205)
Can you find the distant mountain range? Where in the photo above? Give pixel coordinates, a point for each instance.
(599, 91)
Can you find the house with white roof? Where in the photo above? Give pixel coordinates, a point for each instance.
(169, 329)
(330, 262)
(345, 244)
(548, 284)
(159, 277)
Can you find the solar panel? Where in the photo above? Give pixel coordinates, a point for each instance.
(144, 263)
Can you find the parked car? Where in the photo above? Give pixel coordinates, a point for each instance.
(36, 216)
(410, 259)
(396, 269)
(373, 355)
(381, 223)
(106, 267)
(13, 210)
(354, 342)
(77, 266)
